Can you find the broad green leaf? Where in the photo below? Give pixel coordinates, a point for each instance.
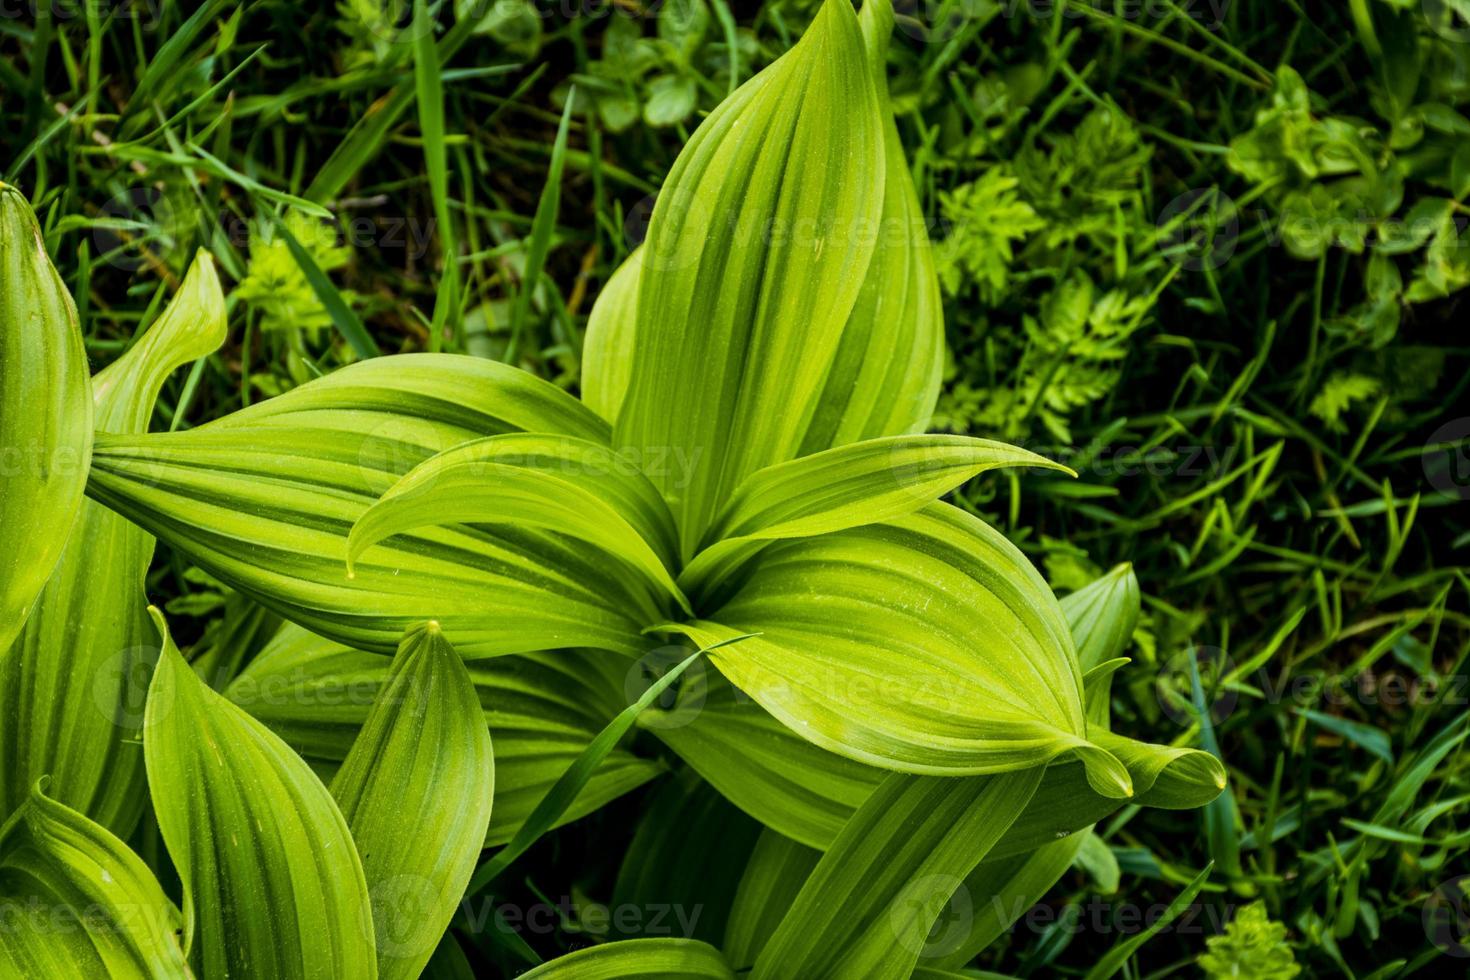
(870, 904)
(862, 483)
(542, 710)
(421, 404)
(73, 683)
(607, 347)
(264, 500)
(272, 882)
(786, 782)
(808, 793)
(759, 241)
(638, 959)
(556, 483)
(416, 790)
(45, 412)
(773, 877)
(885, 377)
(928, 645)
(682, 867)
(75, 902)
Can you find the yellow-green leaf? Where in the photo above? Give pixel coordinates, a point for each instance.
(416, 790)
(264, 500)
(75, 902)
(860, 483)
(869, 905)
(72, 684)
(607, 347)
(756, 251)
(45, 413)
(928, 644)
(272, 882)
(556, 483)
(886, 374)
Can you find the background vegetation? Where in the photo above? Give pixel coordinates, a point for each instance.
(1209, 254)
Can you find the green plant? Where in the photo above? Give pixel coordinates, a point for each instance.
(1252, 946)
(750, 484)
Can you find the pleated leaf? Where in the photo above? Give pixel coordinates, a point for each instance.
(928, 644)
(886, 374)
(542, 710)
(808, 793)
(265, 499)
(45, 412)
(75, 902)
(862, 483)
(416, 790)
(272, 882)
(637, 959)
(72, 684)
(869, 905)
(755, 255)
(557, 483)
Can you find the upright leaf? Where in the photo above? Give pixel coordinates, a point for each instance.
(72, 685)
(272, 882)
(885, 376)
(45, 413)
(75, 902)
(1102, 615)
(755, 254)
(416, 790)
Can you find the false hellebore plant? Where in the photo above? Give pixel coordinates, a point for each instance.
(898, 697)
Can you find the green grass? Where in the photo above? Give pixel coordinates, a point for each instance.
(1254, 426)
